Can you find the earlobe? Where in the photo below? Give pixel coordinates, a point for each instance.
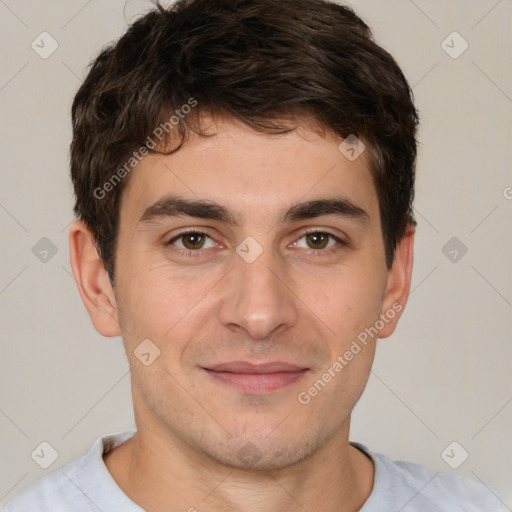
(398, 283)
(92, 280)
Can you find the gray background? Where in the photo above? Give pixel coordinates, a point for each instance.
(445, 374)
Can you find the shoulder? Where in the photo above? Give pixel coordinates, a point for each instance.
(447, 491)
(82, 485)
(413, 488)
(54, 491)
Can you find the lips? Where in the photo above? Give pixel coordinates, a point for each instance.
(249, 368)
(256, 378)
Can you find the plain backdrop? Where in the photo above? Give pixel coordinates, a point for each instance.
(443, 377)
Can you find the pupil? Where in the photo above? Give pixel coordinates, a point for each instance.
(193, 240)
(319, 240)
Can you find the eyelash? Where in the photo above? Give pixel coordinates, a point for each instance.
(314, 252)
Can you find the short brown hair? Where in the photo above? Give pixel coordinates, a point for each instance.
(264, 62)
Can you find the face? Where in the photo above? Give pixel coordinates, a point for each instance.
(251, 262)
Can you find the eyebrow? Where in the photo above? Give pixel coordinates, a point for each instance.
(173, 206)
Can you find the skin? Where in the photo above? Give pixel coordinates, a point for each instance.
(296, 303)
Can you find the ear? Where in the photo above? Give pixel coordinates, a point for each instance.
(398, 283)
(92, 280)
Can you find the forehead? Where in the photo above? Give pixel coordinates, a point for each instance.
(252, 173)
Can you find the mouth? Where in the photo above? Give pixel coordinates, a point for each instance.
(256, 378)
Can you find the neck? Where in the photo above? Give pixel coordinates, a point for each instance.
(155, 470)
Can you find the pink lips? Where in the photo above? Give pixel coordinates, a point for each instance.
(256, 378)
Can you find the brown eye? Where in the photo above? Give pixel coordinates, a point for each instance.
(322, 242)
(192, 241)
(317, 240)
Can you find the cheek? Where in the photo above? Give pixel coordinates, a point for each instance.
(347, 302)
(155, 301)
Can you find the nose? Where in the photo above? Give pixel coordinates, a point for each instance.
(258, 297)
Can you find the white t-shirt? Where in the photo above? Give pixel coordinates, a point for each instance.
(85, 485)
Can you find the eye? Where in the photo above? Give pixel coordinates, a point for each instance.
(195, 241)
(318, 240)
(192, 241)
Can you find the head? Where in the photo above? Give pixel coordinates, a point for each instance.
(231, 120)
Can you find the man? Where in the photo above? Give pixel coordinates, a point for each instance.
(244, 178)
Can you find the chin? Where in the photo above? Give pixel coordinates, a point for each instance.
(259, 453)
